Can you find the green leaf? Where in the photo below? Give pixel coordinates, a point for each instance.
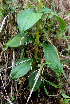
(6, 6)
(65, 101)
(47, 10)
(27, 18)
(21, 69)
(12, 98)
(64, 74)
(32, 81)
(43, 64)
(60, 20)
(18, 40)
(52, 58)
(50, 83)
(61, 23)
(46, 90)
(65, 96)
(13, 8)
(5, 47)
(22, 53)
(21, 60)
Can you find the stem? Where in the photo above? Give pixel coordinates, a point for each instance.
(37, 32)
(40, 4)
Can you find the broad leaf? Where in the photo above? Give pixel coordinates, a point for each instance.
(60, 20)
(21, 69)
(26, 19)
(21, 60)
(52, 58)
(18, 40)
(32, 81)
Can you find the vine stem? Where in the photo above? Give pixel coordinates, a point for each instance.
(37, 32)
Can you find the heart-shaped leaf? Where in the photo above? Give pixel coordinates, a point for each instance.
(26, 19)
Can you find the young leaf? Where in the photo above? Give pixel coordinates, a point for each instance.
(26, 19)
(32, 81)
(65, 101)
(47, 10)
(12, 98)
(52, 58)
(65, 96)
(43, 64)
(46, 90)
(21, 69)
(60, 20)
(22, 53)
